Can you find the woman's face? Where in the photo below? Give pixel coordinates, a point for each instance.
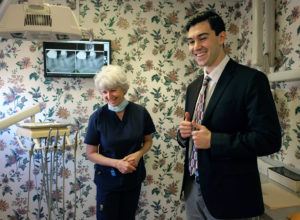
(114, 97)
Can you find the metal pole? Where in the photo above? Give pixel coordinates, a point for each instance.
(29, 180)
(75, 178)
(52, 169)
(63, 153)
(43, 184)
(49, 197)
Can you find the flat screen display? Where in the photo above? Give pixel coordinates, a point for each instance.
(76, 58)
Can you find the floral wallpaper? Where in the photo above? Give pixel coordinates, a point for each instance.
(287, 94)
(148, 40)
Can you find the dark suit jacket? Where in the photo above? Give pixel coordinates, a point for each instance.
(242, 117)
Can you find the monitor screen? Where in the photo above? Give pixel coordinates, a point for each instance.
(75, 58)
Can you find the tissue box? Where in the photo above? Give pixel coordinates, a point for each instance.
(285, 177)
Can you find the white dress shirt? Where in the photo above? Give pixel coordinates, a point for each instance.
(214, 78)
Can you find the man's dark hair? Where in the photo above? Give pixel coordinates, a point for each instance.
(215, 21)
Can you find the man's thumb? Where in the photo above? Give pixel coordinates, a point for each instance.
(187, 116)
(196, 125)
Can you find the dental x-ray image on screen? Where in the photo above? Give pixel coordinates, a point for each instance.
(75, 58)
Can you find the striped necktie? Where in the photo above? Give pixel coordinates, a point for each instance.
(199, 110)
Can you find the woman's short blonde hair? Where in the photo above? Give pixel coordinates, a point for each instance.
(111, 77)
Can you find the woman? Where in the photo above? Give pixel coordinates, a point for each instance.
(118, 135)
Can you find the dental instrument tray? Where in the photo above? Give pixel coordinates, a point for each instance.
(41, 129)
(42, 125)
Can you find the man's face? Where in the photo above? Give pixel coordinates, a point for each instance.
(205, 46)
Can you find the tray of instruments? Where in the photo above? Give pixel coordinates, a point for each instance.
(42, 125)
(41, 129)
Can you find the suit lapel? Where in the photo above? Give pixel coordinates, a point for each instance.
(224, 80)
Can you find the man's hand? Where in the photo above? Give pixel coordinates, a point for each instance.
(186, 127)
(201, 136)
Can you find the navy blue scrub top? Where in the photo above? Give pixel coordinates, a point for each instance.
(116, 139)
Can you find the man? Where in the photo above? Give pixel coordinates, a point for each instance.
(239, 124)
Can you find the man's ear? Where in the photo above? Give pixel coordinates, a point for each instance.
(222, 37)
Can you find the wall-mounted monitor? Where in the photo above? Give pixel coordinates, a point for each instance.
(76, 58)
